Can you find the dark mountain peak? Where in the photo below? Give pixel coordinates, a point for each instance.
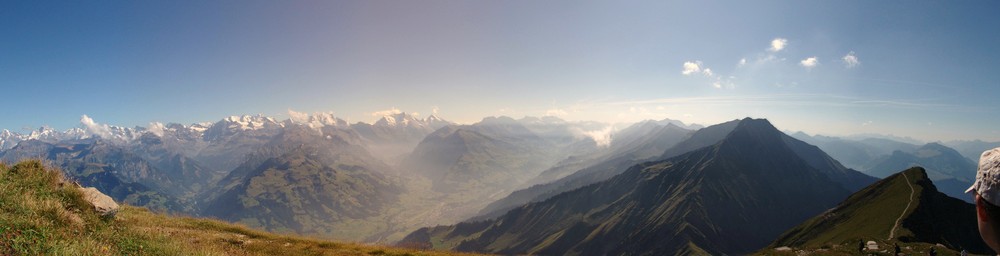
(757, 130)
(757, 122)
(916, 174)
(702, 138)
(905, 206)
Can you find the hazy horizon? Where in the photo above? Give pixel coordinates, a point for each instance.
(922, 70)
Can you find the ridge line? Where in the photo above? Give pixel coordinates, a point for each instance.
(892, 233)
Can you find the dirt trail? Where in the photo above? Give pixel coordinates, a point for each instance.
(892, 233)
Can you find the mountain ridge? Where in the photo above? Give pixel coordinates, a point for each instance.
(885, 211)
(687, 204)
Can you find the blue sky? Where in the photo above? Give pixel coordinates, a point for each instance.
(928, 70)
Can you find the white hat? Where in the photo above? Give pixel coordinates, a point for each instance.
(988, 177)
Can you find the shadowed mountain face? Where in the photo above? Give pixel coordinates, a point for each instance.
(636, 149)
(636, 144)
(188, 173)
(303, 181)
(925, 215)
(732, 197)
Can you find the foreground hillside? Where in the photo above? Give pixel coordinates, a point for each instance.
(904, 208)
(43, 214)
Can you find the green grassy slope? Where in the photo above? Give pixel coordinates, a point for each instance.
(872, 213)
(41, 213)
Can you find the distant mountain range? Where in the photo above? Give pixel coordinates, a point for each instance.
(951, 170)
(972, 149)
(311, 174)
(731, 197)
(305, 175)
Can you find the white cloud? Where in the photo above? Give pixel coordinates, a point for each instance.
(298, 117)
(866, 123)
(387, 112)
(810, 62)
(743, 62)
(602, 137)
(155, 128)
(691, 67)
(850, 60)
(556, 112)
(778, 44)
(101, 130)
(434, 110)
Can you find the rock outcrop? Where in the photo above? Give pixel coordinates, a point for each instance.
(103, 204)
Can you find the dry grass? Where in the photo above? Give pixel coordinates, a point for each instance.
(43, 214)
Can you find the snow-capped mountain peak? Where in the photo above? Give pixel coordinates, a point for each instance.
(249, 122)
(399, 119)
(316, 120)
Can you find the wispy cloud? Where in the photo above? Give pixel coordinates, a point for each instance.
(778, 44)
(556, 112)
(850, 60)
(387, 112)
(696, 67)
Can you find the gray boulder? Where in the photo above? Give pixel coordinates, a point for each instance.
(103, 204)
